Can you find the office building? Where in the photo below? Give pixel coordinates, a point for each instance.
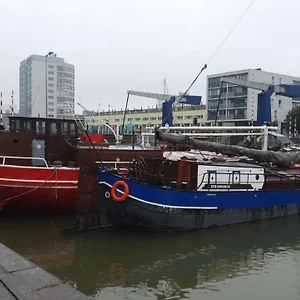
(47, 87)
(238, 103)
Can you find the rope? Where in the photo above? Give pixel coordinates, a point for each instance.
(32, 190)
(210, 59)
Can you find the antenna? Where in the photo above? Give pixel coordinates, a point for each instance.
(12, 103)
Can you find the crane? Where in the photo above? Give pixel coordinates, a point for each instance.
(264, 98)
(169, 101)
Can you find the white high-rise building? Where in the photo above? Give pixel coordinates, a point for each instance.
(47, 87)
(238, 103)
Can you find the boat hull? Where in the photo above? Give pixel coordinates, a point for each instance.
(142, 214)
(38, 190)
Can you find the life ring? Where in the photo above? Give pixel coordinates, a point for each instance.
(38, 146)
(125, 194)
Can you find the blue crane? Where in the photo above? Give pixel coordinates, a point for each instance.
(264, 98)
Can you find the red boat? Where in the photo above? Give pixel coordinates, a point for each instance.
(36, 188)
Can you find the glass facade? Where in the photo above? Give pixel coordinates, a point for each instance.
(228, 102)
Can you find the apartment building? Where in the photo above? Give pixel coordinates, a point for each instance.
(47, 87)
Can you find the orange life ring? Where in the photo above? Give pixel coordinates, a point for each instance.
(113, 191)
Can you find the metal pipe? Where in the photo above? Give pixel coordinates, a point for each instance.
(215, 128)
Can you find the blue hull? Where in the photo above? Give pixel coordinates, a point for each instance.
(154, 208)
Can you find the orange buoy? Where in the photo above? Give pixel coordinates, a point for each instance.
(125, 194)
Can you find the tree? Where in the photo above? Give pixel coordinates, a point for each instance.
(292, 115)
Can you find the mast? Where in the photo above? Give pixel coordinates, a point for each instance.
(12, 103)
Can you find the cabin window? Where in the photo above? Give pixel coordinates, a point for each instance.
(23, 125)
(236, 177)
(17, 125)
(53, 129)
(64, 128)
(12, 125)
(40, 128)
(72, 129)
(28, 125)
(212, 177)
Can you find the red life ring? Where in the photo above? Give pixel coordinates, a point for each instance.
(125, 194)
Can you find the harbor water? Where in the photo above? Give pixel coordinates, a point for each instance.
(249, 261)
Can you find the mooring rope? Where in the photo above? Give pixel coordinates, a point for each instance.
(32, 190)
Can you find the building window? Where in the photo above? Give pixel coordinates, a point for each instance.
(50, 97)
(50, 66)
(50, 103)
(50, 84)
(279, 102)
(50, 72)
(50, 91)
(50, 78)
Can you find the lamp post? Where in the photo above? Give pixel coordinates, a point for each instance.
(50, 53)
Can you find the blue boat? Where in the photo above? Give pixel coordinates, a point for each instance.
(188, 194)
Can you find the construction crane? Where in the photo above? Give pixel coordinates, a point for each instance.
(167, 105)
(264, 98)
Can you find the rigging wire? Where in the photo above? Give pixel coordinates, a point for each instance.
(213, 55)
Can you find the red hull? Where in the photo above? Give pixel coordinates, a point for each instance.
(38, 189)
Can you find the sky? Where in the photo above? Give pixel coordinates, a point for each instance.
(120, 45)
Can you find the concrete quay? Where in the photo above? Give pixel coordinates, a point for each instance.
(20, 279)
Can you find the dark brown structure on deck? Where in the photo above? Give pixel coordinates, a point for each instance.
(60, 136)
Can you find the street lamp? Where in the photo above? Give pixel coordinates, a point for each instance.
(50, 53)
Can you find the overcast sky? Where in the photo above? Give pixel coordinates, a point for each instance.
(120, 45)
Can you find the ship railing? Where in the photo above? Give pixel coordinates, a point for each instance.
(274, 178)
(115, 163)
(210, 131)
(5, 158)
(270, 181)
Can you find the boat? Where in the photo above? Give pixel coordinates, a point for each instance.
(30, 185)
(63, 144)
(216, 185)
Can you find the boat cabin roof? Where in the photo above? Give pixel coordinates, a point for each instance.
(211, 158)
(236, 164)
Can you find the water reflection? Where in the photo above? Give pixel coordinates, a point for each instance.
(118, 264)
